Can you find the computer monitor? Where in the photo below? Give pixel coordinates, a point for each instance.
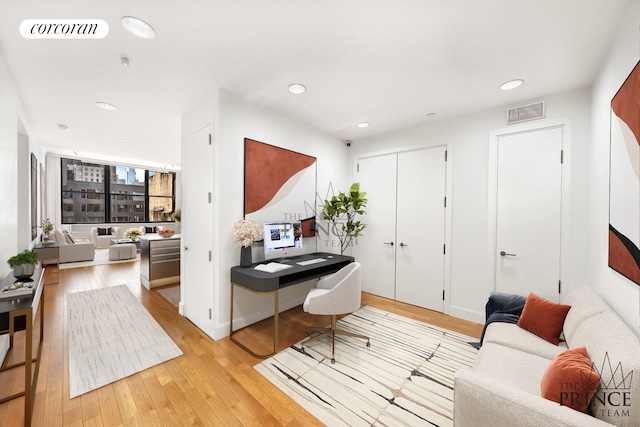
(282, 239)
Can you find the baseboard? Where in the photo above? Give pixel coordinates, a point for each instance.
(222, 330)
(466, 314)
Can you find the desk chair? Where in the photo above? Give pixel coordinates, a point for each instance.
(339, 293)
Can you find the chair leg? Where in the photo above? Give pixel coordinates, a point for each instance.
(333, 331)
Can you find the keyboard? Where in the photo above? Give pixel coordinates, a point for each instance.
(311, 261)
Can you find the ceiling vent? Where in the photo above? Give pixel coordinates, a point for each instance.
(525, 112)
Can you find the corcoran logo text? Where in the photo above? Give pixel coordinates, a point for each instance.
(64, 29)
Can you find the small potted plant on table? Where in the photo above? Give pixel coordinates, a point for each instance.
(23, 264)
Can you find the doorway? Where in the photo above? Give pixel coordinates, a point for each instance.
(402, 250)
(526, 210)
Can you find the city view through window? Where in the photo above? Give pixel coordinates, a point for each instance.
(96, 193)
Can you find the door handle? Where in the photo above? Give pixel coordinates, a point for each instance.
(503, 253)
(388, 243)
(402, 245)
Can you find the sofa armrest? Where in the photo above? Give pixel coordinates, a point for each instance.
(482, 401)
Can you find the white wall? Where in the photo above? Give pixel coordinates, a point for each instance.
(468, 140)
(622, 294)
(15, 176)
(239, 119)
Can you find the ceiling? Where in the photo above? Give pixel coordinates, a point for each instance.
(383, 62)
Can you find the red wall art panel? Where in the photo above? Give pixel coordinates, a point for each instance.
(624, 179)
(279, 185)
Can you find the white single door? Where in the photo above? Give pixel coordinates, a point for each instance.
(376, 248)
(528, 212)
(196, 227)
(421, 227)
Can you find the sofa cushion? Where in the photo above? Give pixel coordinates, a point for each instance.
(513, 367)
(59, 237)
(104, 231)
(584, 303)
(570, 380)
(510, 335)
(68, 237)
(543, 317)
(615, 353)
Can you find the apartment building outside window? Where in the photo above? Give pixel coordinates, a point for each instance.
(95, 193)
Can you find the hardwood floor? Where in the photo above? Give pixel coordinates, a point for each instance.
(213, 383)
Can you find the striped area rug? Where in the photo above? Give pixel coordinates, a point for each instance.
(404, 378)
(111, 336)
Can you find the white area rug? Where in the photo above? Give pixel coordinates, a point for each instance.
(171, 294)
(404, 378)
(111, 336)
(101, 257)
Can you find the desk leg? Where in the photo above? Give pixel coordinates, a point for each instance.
(28, 360)
(275, 323)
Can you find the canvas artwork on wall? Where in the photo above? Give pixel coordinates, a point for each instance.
(279, 185)
(624, 179)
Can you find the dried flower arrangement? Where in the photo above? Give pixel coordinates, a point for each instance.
(246, 231)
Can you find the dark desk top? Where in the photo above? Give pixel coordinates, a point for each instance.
(262, 281)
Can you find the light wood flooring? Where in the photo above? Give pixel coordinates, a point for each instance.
(213, 383)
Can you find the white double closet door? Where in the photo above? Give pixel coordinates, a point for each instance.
(402, 249)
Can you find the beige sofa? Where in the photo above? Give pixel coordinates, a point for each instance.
(503, 388)
(104, 241)
(73, 249)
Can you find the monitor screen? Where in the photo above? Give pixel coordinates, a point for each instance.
(281, 238)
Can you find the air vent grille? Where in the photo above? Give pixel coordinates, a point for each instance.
(525, 112)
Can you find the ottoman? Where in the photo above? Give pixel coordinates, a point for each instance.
(122, 251)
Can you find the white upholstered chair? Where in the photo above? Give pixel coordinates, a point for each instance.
(339, 293)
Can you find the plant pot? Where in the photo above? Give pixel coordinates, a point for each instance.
(24, 271)
(245, 256)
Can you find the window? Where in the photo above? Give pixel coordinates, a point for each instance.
(83, 201)
(95, 193)
(161, 196)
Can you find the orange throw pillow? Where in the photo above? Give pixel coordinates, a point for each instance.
(543, 317)
(570, 379)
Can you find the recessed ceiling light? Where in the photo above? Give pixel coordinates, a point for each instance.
(62, 126)
(124, 61)
(431, 115)
(106, 106)
(297, 88)
(363, 125)
(511, 84)
(125, 142)
(138, 27)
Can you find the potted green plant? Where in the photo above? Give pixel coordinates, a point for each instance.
(23, 264)
(47, 228)
(177, 215)
(341, 211)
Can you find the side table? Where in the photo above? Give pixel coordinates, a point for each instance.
(19, 314)
(50, 254)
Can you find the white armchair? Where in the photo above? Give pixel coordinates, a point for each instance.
(104, 240)
(339, 293)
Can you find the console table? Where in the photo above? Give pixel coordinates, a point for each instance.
(262, 282)
(50, 254)
(19, 314)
